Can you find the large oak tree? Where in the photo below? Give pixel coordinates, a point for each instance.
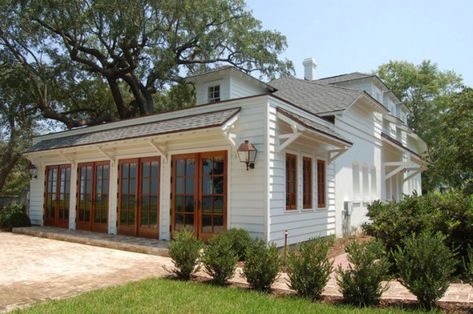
(86, 62)
(138, 49)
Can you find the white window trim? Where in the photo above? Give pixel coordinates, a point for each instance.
(206, 89)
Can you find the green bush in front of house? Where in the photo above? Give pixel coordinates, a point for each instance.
(184, 251)
(240, 241)
(220, 259)
(450, 213)
(13, 216)
(468, 266)
(309, 268)
(425, 266)
(361, 283)
(262, 265)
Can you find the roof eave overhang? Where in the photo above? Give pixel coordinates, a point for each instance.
(394, 143)
(224, 127)
(341, 143)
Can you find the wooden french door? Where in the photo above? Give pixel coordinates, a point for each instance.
(92, 196)
(199, 193)
(56, 195)
(138, 197)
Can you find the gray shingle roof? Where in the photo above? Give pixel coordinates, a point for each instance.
(313, 96)
(318, 127)
(186, 123)
(343, 78)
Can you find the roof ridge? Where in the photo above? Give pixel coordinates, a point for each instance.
(325, 85)
(340, 75)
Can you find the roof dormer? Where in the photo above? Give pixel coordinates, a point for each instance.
(226, 83)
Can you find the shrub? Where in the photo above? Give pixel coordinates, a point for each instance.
(425, 266)
(14, 216)
(262, 265)
(361, 284)
(220, 259)
(184, 250)
(309, 268)
(450, 213)
(240, 240)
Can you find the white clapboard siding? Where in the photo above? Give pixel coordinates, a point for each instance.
(300, 224)
(246, 189)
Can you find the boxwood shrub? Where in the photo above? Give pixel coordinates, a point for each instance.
(361, 284)
(450, 213)
(425, 266)
(13, 216)
(309, 268)
(184, 251)
(220, 259)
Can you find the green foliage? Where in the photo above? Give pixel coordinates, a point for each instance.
(240, 240)
(184, 250)
(450, 213)
(262, 265)
(432, 97)
(468, 266)
(361, 284)
(220, 259)
(137, 49)
(14, 216)
(425, 266)
(309, 268)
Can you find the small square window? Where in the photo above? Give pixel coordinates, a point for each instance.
(214, 93)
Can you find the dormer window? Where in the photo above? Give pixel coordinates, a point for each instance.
(214, 93)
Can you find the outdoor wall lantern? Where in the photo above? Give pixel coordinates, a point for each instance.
(247, 154)
(33, 171)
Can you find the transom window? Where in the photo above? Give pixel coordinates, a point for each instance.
(214, 93)
(307, 182)
(291, 182)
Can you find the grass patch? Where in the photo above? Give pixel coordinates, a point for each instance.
(172, 296)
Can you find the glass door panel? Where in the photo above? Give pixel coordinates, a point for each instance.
(199, 193)
(184, 193)
(213, 195)
(56, 195)
(139, 189)
(149, 197)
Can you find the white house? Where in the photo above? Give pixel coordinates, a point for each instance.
(325, 149)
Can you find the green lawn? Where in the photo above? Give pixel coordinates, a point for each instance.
(171, 296)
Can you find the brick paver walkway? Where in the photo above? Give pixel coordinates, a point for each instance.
(35, 269)
(38, 269)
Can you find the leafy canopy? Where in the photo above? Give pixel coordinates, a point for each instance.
(92, 61)
(440, 110)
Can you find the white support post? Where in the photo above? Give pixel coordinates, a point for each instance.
(72, 196)
(112, 197)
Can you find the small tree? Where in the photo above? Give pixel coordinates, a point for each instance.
(261, 265)
(184, 250)
(361, 283)
(220, 259)
(425, 266)
(309, 268)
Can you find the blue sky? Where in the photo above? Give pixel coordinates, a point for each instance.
(358, 35)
